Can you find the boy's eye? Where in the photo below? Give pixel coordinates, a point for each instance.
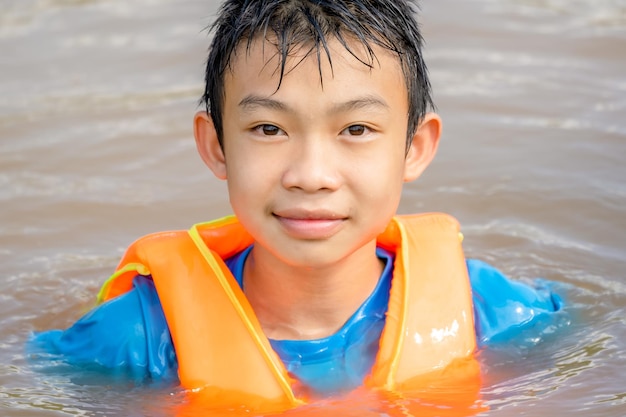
(355, 130)
(269, 130)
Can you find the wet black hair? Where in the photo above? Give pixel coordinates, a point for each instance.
(294, 24)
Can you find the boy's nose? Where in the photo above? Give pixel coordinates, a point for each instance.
(312, 166)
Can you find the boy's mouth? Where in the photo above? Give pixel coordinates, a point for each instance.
(310, 225)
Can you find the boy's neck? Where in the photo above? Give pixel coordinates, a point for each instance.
(294, 303)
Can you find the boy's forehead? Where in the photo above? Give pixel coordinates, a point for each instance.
(313, 82)
(266, 55)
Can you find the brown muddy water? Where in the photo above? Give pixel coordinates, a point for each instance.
(96, 149)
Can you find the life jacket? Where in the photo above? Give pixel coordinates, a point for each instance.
(219, 343)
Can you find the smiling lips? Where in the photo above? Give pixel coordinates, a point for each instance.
(310, 225)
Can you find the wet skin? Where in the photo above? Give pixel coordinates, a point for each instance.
(315, 171)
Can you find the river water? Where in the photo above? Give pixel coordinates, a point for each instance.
(96, 149)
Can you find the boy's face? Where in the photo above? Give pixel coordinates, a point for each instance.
(315, 169)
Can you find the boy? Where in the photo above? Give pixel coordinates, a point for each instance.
(317, 113)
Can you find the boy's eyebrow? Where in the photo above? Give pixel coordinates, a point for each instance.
(360, 103)
(252, 101)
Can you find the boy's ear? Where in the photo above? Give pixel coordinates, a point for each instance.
(423, 147)
(208, 146)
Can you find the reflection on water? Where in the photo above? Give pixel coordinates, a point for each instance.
(95, 136)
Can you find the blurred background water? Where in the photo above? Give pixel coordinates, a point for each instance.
(96, 149)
